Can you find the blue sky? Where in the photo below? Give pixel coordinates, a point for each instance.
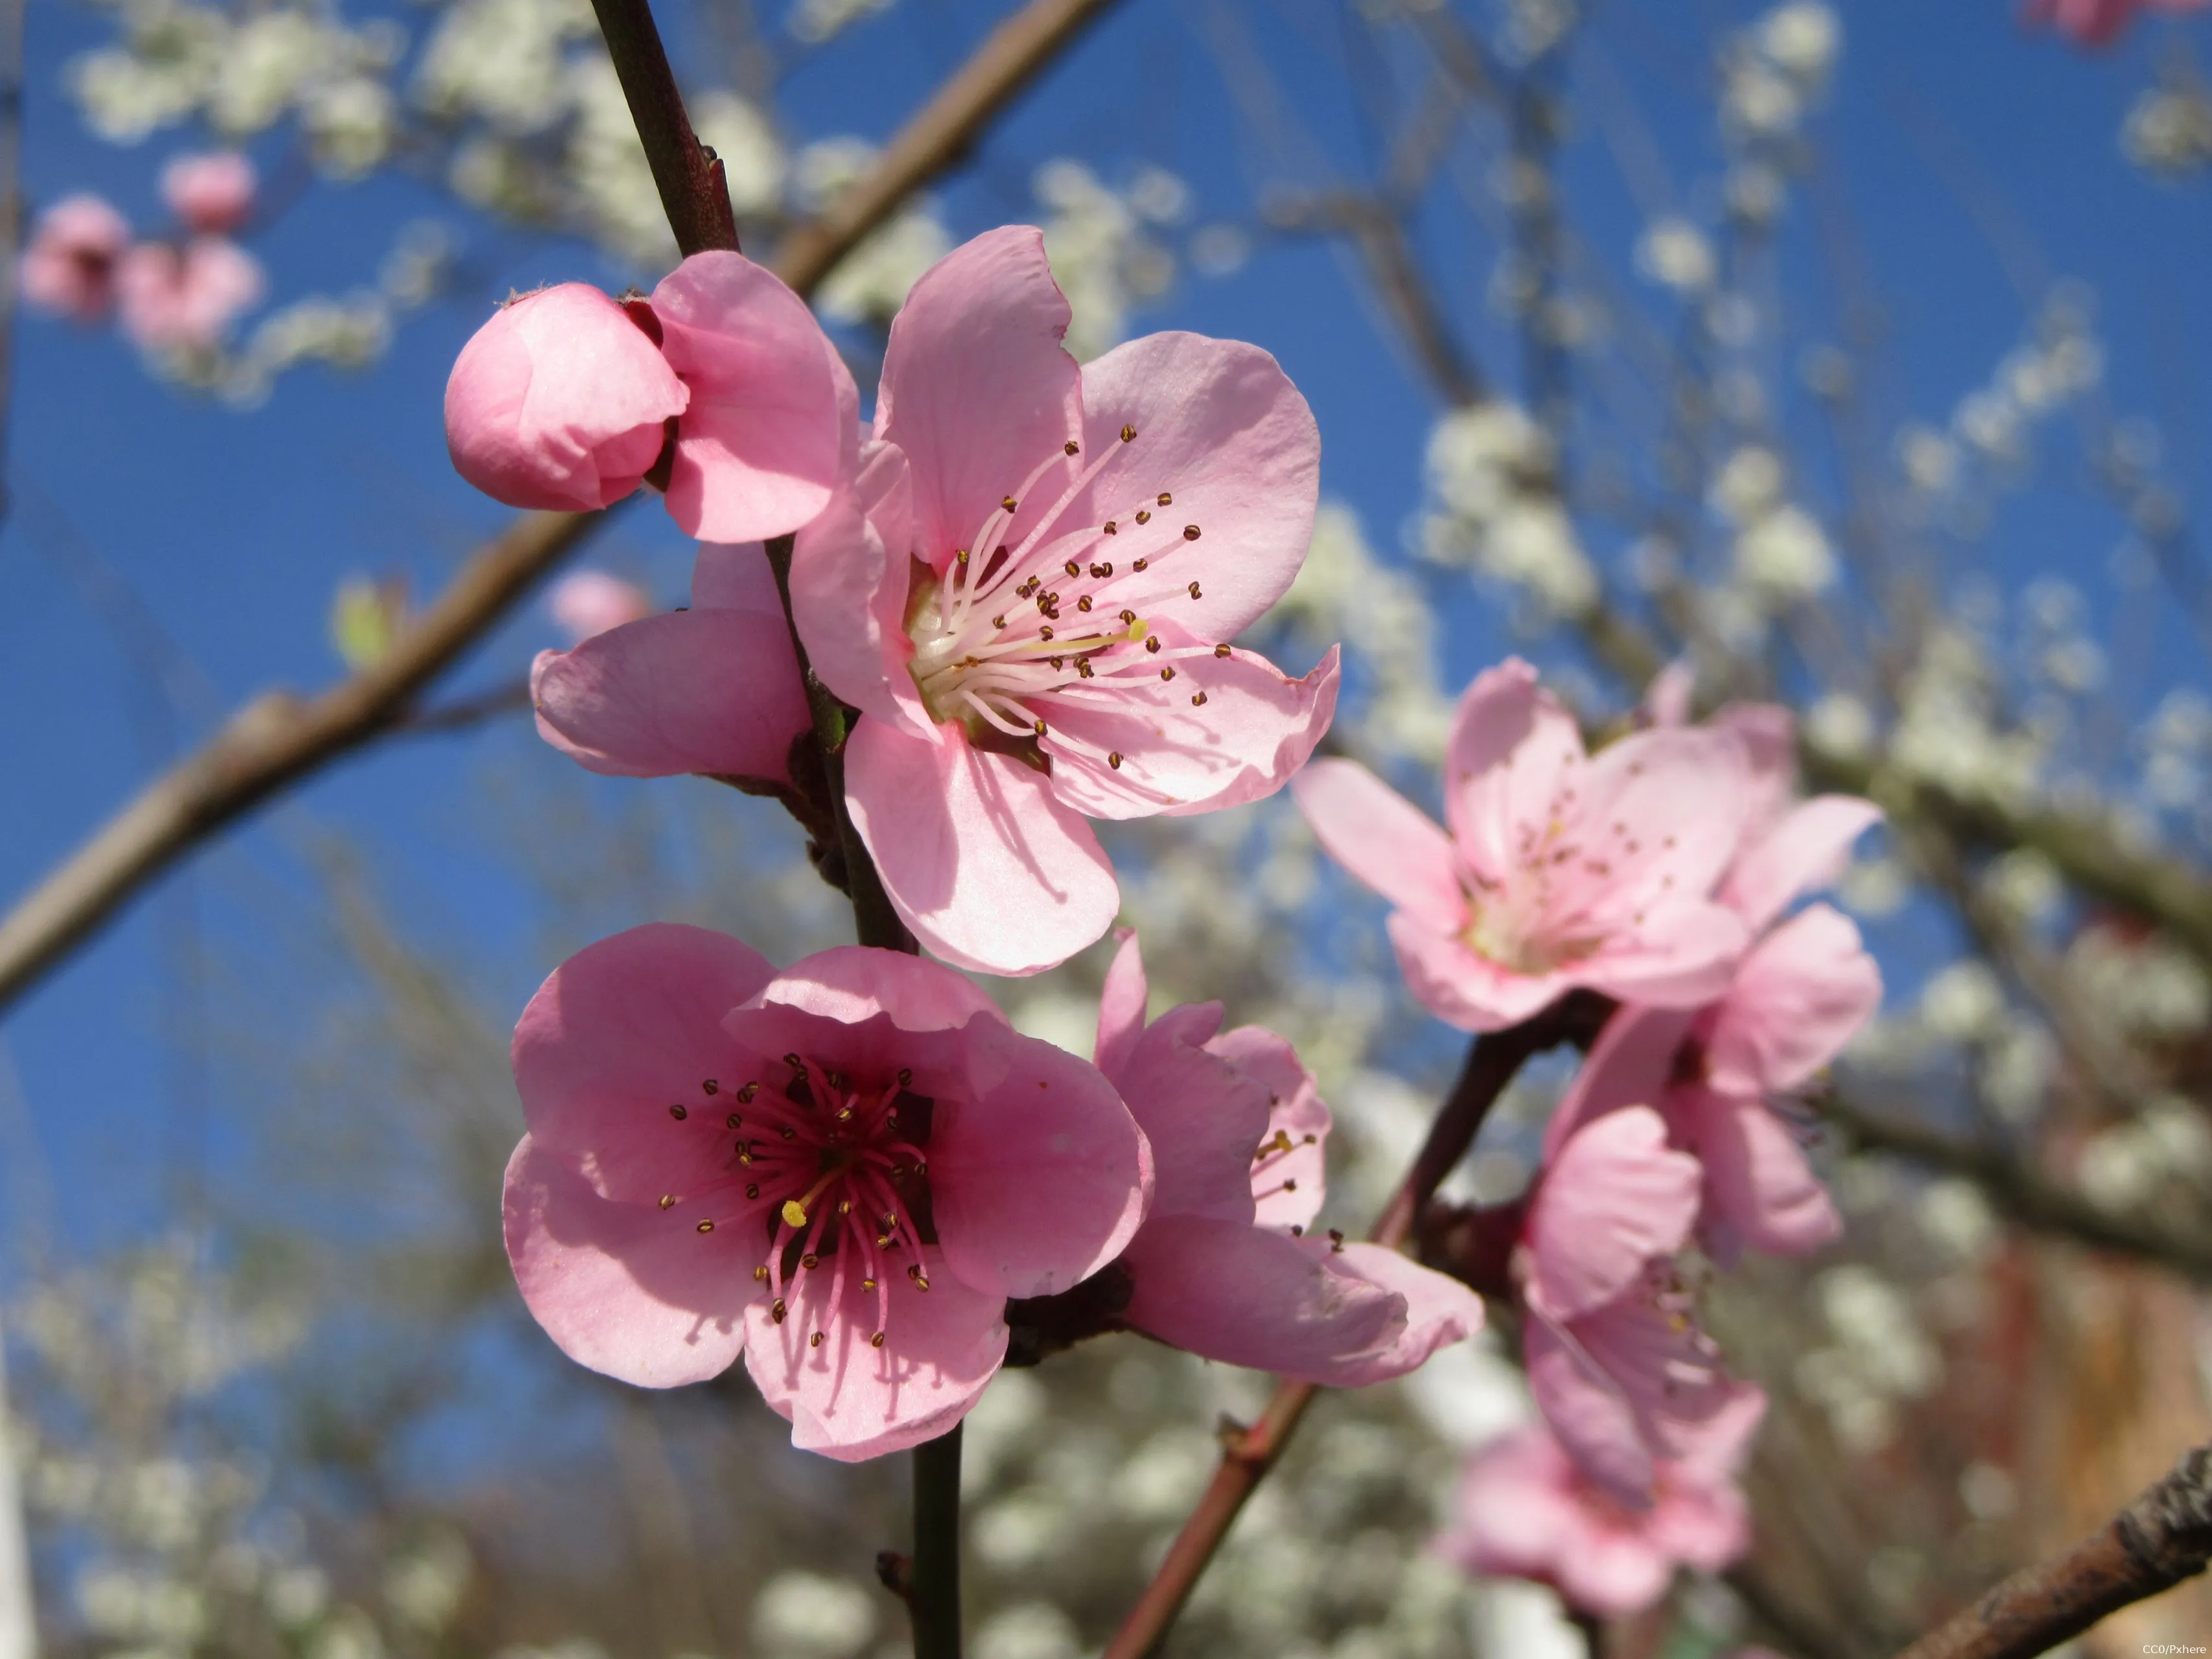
(233, 529)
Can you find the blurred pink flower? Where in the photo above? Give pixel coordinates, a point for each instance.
(1525, 1510)
(1560, 870)
(843, 1169)
(174, 297)
(70, 266)
(1016, 595)
(1615, 1358)
(2099, 22)
(567, 399)
(1221, 1267)
(211, 194)
(586, 603)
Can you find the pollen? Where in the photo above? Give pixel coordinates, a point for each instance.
(1190, 532)
(1128, 434)
(1222, 652)
(794, 1213)
(667, 1200)
(1083, 603)
(1073, 568)
(1143, 515)
(1114, 760)
(1198, 700)
(1071, 448)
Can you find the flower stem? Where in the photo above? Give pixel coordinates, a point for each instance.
(933, 1595)
(689, 175)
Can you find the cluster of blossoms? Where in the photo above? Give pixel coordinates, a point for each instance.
(1023, 580)
(175, 294)
(1656, 873)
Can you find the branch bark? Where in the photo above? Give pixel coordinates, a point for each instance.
(694, 193)
(2162, 1538)
(276, 739)
(1248, 1453)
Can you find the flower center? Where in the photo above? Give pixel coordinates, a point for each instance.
(832, 1170)
(1539, 916)
(1005, 629)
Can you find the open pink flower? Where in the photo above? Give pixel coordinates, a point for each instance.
(175, 298)
(1560, 870)
(843, 1169)
(567, 399)
(70, 266)
(1526, 1510)
(1615, 1358)
(1222, 1266)
(2099, 22)
(587, 603)
(1030, 594)
(211, 194)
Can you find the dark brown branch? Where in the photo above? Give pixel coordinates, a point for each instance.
(1248, 1454)
(276, 740)
(2162, 1538)
(688, 175)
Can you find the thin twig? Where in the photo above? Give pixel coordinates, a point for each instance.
(1248, 1454)
(688, 176)
(933, 1578)
(276, 740)
(2162, 1538)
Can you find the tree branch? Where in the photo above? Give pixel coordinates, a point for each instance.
(2162, 1538)
(688, 176)
(276, 740)
(1248, 1454)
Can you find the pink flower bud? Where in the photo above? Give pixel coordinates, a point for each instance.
(560, 401)
(70, 266)
(587, 603)
(175, 297)
(212, 194)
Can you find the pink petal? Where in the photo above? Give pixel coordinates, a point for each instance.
(210, 193)
(559, 401)
(1631, 1064)
(619, 1286)
(1248, 1296)
(1665, 1376)
(1220, 429)
(1679, 955)
(850, 983)
(734, 576)
(1768, 733)
(1439, 1310)
(977, 390)
(1464, 989)
(1255, 729)
(1758, 1183)
(988, 870)
(1513, 748)
(1588, 1411)
(1719, 1447)
(1287, 1187)
(1805, 849)
(1800, 995)
(1122, 1003)
(618, 1033)
(1041, 1179)
(849, 574)
(1204, 1115)
(1614, 1198)
(1383, 838)
(850, 1401)
(709, 691)
(1705, 1528)
(756, 451)
(1658, 814)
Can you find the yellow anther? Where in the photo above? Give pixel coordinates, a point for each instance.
(794, 1213)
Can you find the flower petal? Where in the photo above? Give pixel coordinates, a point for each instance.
(1800, 996)
(854, 982)
(851, 1401)
(621, 1286)
(734, 576)
(1254, 729)
(1383, 840)
(1805, 850)
(849, 574)
(1039, 1181)
(1221, 430)
(1757, 1184)
(1614, 1199)
(1287, 1186)
(1631, 1064)
(988, 870)
(1661, 816)
(1439, 1310)
(1588, 1411)
(1122, 1003)
(756, 451)
(710, 691)
(1204, 1116)
(1464, 989)
(620, 1033)
(1678, 955)
(977, 389)
(1248, 1296)
(1514, 747)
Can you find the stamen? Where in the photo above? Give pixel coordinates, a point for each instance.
(678, 1112)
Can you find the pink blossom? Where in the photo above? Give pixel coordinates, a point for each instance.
(1030, 592)
(586, 603)
(1526, 1510)
(1560, 869)
(566, 399)
(70, 266)
(2099, 22)
(843, 1169)
(1615, 1358)
(176, 298)
(211, 194)
(1222, 1266)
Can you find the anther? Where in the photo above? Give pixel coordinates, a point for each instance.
(1057, 661)
(1038, 728)
(1222, 652)
(667, 1200)
(1115, 760)
(747, 1093)
(1128, 616)
(844, 1207)
(867, 1284)
(1153, 645)
(1073, 568)
(752, 1189)
(959, 555)
(1111, 528)
(814, 1340)
(1190, 532)
(1084, 603)
(1044, 633)
(1336, 1241)
(678, 1112)
(1198, 700)
(1103, 570)
(706, 1226)
(1143, 515)
(877, 1340)
(710, 1085)
(794, 1062)
(760, 1273)
(1083, 669)
(788, 1132)
(1164, 499)
(811, 1260)
(1072, 447)
(1168, 673)
(1193, 591)
(1128, 434)
(998, 622)
(1141, 564)
(905, 1075)
(1007, 502)
(1290, 1185)
(776, 1310)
